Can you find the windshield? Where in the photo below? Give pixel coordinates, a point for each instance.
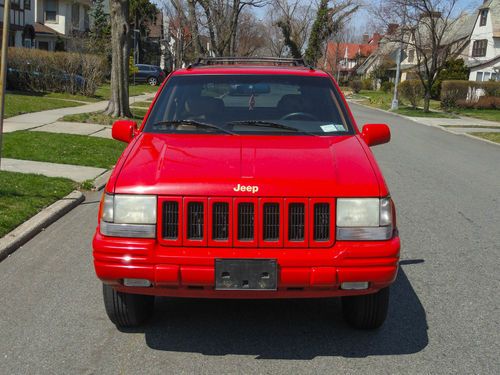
(249, 104)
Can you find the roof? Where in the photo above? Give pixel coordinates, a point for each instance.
(494, 7)
(252, 70)
(352, 50)
(42, 29)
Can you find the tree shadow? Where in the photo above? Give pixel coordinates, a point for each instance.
(285, 329)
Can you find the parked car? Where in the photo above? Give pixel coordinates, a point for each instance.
(246, 196)
(54, 79)
(152, 74)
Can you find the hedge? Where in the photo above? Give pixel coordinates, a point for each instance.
(412, 90)
(40, 71)
(468, 93)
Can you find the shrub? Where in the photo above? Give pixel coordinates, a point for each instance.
(386, 86)
(411, 90)
(457, 93)
(367, 84)
(356, 86)
(38, 70)
(452, 70)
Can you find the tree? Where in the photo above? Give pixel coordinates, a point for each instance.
(431, 29)
(294, 21)
(100, 31)
(141, 12)
(328, 22)
(453, 69)
(118, 105)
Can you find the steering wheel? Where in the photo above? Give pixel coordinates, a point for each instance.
(306, 115)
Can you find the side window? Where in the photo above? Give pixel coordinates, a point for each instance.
(484, 17)
(479, 76)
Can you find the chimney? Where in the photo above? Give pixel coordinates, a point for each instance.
(391, 28)
(366, 38)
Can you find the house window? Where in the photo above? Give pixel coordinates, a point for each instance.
(484, 17)
(51, 10)
(486, 76)
(479, 77)
(411, 55)
(75, 15)
(43, 45)
(479, 48)
(494, 77)
(27, 4)
(27, 43)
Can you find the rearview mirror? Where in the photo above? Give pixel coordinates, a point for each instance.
(376, 134)
(124, 130)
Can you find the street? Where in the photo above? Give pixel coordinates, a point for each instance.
(444, 315)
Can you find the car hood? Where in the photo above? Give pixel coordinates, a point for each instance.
(215, 165)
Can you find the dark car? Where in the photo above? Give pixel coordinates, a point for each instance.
(151, 74)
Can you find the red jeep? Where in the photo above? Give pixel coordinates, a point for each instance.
(247, 179)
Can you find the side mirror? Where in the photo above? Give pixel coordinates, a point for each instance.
(376, 134)
(124, 130)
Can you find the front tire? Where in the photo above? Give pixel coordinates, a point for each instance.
(127, 310)
(153, 81)
(367, 311)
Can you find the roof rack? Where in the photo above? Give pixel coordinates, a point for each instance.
(249, 60)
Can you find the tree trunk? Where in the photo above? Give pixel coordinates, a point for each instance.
(427, 99)
(118, 105)
(194, 24)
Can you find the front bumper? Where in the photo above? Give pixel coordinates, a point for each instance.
(190, 271)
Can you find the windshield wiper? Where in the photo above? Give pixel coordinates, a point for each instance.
(268, 124)
(174, 123)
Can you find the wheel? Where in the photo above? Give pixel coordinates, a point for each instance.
(366, 311)
(127, 310)
(153, 81)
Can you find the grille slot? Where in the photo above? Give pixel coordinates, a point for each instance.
(321, 222)
(246, 221)
(171, 220)
(296, 222)
(271, 225)
(195, 221)
(220, 221)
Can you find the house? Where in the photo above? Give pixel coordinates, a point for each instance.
(45, 23)
(342, 59)
(484, 47)
(456, 38)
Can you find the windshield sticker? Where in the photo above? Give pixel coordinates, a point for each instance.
(340, 127)
(331, 128)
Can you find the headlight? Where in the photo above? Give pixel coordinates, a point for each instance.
(364, 219)
(129, 216)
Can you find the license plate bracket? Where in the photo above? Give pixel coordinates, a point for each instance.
(245, 274)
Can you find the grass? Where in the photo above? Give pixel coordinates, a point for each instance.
(490, 136)
(383, 100)
(104, 92)
(24, 195)
(419, 112)
(62, 148)
(145, 104)
(21, 103)
(483, 114)
(101, 118)
(468, 126)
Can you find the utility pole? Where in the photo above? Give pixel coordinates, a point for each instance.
(395, 102)
(3, 66)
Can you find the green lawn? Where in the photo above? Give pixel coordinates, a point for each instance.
(145, 104)
(20, 103)
(483, 114)
(23, 195)
(104, 92)
(419, 112)
(468, 126)
(62, 148)
(383, 100)
(490, 136)
(101, 118)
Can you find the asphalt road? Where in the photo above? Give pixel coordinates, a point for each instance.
(444, 314)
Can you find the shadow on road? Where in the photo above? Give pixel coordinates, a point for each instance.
(286, 329)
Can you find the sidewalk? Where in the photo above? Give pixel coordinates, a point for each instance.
(36, 119)
(462, 122)
(46, 121)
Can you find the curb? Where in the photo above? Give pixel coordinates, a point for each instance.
(471, 135)
(26, 231)
(101, 180)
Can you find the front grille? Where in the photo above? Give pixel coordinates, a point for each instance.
(271, 224)
(220, 221)
(296, 222)
(321, 222)
(246, 221)
(195, 221)
(170, 220)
